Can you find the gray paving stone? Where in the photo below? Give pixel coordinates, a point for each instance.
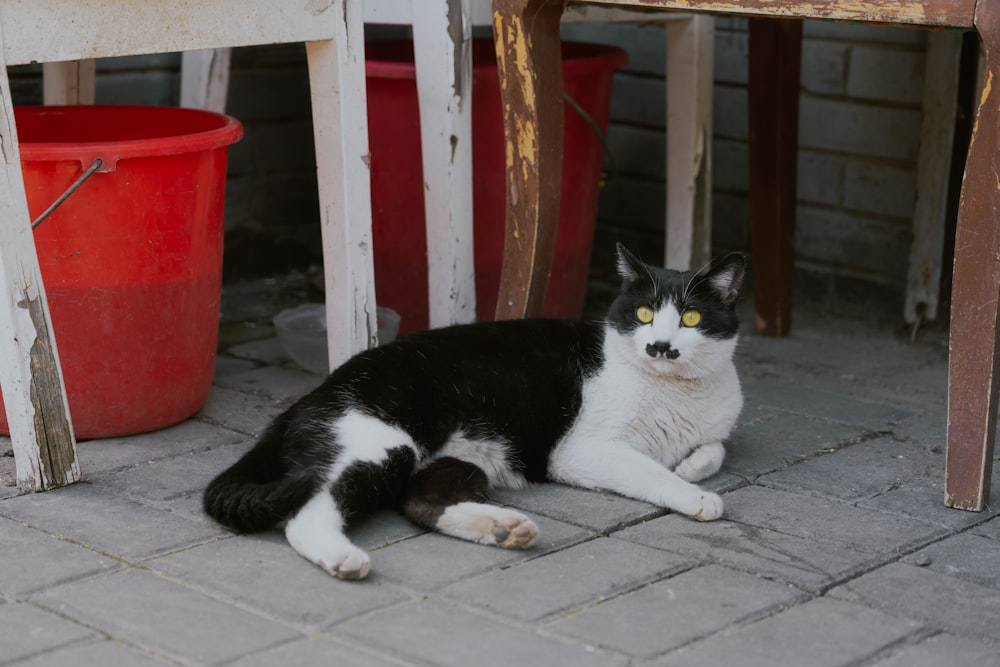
(578, 576)
(777, 440)
(941, 650)
(96, 654)
(859, 471)
(29, 631)
(266, 574)
(430, 561)
(672, 612)
(33, 560)
(238, 411)
(149, 611)
(383, 529)
(970, 557)
(272, 382)
(821, 633)
(99, 456)
(806, 563)
(432, 632)
(228, 365)
(595, 510)
(267, 350)
(828, 405)
(319, 651)
(945, 602)
(828, 521)
(107, 523)
(172, 478)
(924, 498)
(990, 529)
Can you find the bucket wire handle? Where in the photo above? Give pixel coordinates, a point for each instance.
(597, 131)
(70, 190)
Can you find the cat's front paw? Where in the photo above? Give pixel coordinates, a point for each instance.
(711, 507)
(702, 463)
(703, 506)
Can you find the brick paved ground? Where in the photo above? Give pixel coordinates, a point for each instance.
(835, 548)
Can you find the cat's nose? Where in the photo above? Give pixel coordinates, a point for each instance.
(662, 349)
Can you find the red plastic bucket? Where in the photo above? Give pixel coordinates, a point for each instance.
(397, 177)
(132, 261)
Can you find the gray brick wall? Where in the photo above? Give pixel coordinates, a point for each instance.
(860, 114)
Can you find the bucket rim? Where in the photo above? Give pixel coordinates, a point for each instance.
(228, 131)
(582, 56)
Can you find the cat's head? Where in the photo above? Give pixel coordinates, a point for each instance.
(677, 323)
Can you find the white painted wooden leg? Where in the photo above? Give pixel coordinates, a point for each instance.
(937, 132)
(70, 82)
(205, 79)
(689, 141)
(443, 58)
(33, 391)
(340, 125)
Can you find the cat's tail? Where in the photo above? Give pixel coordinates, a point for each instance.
(248, 497)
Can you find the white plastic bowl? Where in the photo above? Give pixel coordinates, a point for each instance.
(302, 333)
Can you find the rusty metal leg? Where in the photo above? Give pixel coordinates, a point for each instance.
(526, 33)
(973, 361)
(775, 58)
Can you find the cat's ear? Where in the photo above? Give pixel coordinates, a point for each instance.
(726, 276)
(630, 267)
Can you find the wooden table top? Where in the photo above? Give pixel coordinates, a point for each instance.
(928, 13)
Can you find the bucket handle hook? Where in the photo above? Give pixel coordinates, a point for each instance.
(70, 190)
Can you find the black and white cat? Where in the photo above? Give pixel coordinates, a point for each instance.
(638, 405)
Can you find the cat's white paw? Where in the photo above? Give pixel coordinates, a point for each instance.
(702, 463)
(350, 563)
(488, 524)
(711, 507)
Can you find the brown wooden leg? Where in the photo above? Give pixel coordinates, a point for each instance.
(775, 58)
(526, 33)
(972, 367)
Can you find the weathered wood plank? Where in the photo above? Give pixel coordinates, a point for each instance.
(33, 391)
(530, 66)
(442, 43)
(340, 124)
(54, 30)
(973, 381)
(954, 13)
(690, 58)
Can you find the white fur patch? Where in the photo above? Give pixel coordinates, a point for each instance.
(637, 423)
(316, 532)
(488, 524)
(488, 455)
(365, 438)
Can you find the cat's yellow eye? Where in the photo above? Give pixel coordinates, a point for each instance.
(690, 317)
(644, 314)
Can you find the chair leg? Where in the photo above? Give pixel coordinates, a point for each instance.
(775, 62)
(34, 394)
(70, 82)
(340, 124)
(689, 142)
(205, 79)
(526, 33)
(443, 57)
(975, 304)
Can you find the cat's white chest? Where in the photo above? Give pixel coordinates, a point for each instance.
(662, 417)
